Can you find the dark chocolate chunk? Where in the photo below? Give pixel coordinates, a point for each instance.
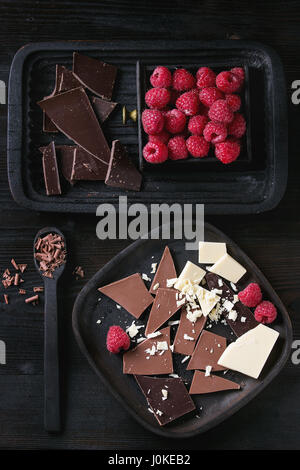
(163, 308)
(66, 154)
(166, 270)
(103, 108)
(86, 167)
(210, 384)
(183, 345)
(208, 351)
(51, 175)
(48, 125)
(68, 81)
(121, 171)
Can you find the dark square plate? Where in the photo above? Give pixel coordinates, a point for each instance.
(91, 337)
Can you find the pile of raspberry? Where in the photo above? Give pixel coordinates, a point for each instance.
(189, 114)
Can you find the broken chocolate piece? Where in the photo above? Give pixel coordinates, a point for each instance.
(186, 330)
(94, 74)
(68, 81)
(51, 175)
(121, 171)
(207, 352)
(163, 308)
(166, 270)
(73, 115)
(103, 108)
(66, 154)
(48, 125)
(209, 384)
(131, 293)
(86, 167)
(175, 403)
(147, 359)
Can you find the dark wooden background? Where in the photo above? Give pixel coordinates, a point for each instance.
(92, 418)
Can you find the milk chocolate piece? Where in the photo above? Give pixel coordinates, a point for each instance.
(163, 308)
(87, 167)
(73, 115)
(140, 361)
(51, 176)
(178, 402)
(192, 330)
(66, 154)
(94, 74)
(212, 383)
(237, 326)
(121, 171)
(129, 292)
(48, 125)
(166, 270)
(68, 81)
(207, 352)
(103, 108)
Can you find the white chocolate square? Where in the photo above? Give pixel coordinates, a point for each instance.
(210, 252)
(207, 300)
(228, 268)
(191, 272)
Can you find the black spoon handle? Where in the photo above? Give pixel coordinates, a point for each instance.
(51, 362)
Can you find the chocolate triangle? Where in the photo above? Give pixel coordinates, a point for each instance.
(73, 115)
(86, 167)
(103, 108)
(129, 292)
(178, 402)
(192, 330)
(121, 171)
(163, 308)
(96, 75)
(207, 352)
(210, 384)
(50, 170)
(68, 81)
(66, 154)
(166, 270)
(48, 125)
(135, 361)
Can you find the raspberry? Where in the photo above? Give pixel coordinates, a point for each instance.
(117, 339)
(215, 132)
(240, 72)
(233, 101)
(197, 123)
(237, 127)
(183, 80)
(155, 152)
(177, 148)
(251, 296)
(197, 146)
(161, 77)
(157, 98)
(209, 95)
(205, 77)
(153, 121)
(163, 137)
(188, 103)
(227, 151)
(220, 112)
(175, 121)
(228, 82)
(265, 312)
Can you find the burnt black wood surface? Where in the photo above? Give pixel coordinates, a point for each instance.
(92, 419)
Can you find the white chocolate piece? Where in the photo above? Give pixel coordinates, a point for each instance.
(207, 300)
(248, 354)
(191, 272)
(228, 268)
(210, 252)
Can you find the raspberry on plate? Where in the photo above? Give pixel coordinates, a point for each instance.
(153, 121)
(183, 80)
(161, 77)
(163, 137)
(209, 95)
(197, 123)
(215, 132)
(175, 121)
(228, 82)
(251, 296)
(177, 148)
(197, 146)
(206, 77)
(240, 72)
(157, 98)
(233, 101)
(188, 103)
(155, 152)
(220, 112)
(237, 127)
(265, 312)
(117, 339)
(227, 151)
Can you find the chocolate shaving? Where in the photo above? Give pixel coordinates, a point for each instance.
(14, 264)
(38, 289)
(78, 271)
(22, 291)
(50, 253)
(32, 299)
(16, 279)
(22, 267)
(6, 299)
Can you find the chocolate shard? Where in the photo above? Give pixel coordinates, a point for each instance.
(94, 74)
(50, 169)
(166, 270)
(73, 115)
(121, 171)
(86, 167)
(207, 352)
(177, 402)
(163, 308)
(185, 331)
(48, 125)
(103, 108)
(68, 81)
(131, 293)
(210, 384)
(66, 154)
(147, 359)
(237, 326)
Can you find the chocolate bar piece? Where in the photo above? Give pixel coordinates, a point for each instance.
(207, 352)
(167, 397)
(210, 384)
(95, 75)
(48, 125)
(73, 115)
(166, 270)
(121, 171)
(66, 154)
(183, 342)
(51, 175)
(103, 108)
(163, 308)
(86, 167)
(68, 81)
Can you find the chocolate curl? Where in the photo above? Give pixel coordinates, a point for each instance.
(79, 271)
(50, 253)
(17, 278)
(22, 267)
(6, 299)
(38, 289)
(22, 291)
(14, 264)
(29, 300)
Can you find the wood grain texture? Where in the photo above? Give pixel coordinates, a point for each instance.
(92, 419)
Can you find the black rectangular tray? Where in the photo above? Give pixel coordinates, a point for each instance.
(255, 184)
